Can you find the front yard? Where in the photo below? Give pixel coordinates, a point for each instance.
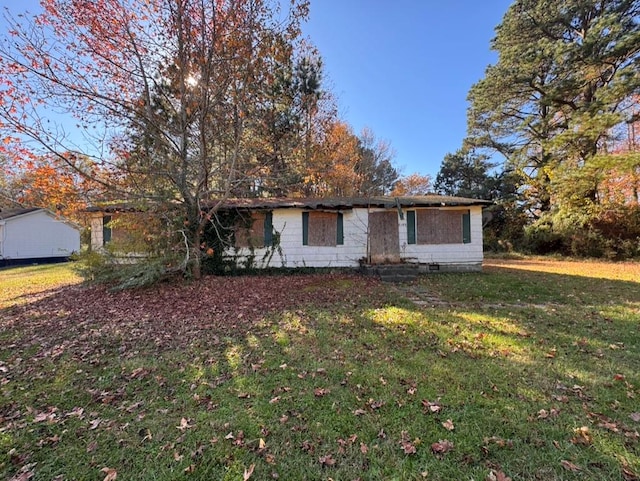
(527, 371)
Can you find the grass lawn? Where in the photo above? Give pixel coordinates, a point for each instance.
(527, 371)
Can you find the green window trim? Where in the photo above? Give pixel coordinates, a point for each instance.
(268, 229)
(466, 227)
(340, 230)
(305, 228)
(411, 227)
(106, 230)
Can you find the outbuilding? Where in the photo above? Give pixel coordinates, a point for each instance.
(36, 235)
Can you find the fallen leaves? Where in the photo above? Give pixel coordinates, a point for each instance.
(407, 446)
(442, 447)
(497, 476)
(582, 436)
(248, 472)
(448, 425)
(184, 425)
(111, 474)
(569, 466)
(431, 406)
(327, 460)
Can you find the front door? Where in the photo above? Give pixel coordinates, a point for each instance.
(384, 243)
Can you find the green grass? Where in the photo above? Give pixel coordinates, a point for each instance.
(18, 284)
(521, 362)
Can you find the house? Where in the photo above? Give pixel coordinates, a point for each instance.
(436, 232)
(35, 235)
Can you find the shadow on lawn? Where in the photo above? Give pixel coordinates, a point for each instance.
(304, 363)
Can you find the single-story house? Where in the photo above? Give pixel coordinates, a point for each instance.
(36, 235)
(442, 232)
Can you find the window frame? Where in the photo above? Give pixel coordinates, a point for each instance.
(339, 228)
(417, 237)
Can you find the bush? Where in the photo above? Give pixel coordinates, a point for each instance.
(123, 272)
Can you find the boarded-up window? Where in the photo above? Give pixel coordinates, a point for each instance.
(435, 226)
(322, 229)
(254, 230)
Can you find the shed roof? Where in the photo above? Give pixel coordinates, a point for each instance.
(8, 213)
(322, 203)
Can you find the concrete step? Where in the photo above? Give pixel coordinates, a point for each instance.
(392, 272)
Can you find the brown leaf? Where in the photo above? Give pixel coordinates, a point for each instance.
(408, 447)
(628, 474)
(364, 449)
(184, 424)
(635, 417)
(448, 425)
(569, 466)
(442, 447)
(190, 469)
(359, 412)
(327, 460)
(24, 474)
(248, 472)
(320, 392)
(582, 436)
(432, 407)
(111, 474)
(497, 476)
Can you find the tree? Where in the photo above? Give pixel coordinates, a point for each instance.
(564, 77)
(466, 174)
(375, 171)
(170, 98)
(412, 184)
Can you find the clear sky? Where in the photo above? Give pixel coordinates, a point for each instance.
(404, 68)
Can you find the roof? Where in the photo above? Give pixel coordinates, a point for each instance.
(8, 213)
(324, 203)
(351, 202)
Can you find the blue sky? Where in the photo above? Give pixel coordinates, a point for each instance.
(404, 68)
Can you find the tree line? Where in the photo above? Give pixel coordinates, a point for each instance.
(554, 130)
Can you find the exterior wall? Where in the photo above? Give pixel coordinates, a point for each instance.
(448, 256)
(291, 252)
(37, 235)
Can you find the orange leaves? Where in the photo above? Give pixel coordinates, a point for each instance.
(413, 184)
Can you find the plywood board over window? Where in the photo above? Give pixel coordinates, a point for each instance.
(254, 230)
(322, 229)
(434, 226)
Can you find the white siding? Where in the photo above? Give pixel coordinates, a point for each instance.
(291, 252)
(37, 234)
(445, 253)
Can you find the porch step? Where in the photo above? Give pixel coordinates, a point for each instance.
(393, 272)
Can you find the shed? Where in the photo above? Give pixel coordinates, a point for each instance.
(36, 235)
